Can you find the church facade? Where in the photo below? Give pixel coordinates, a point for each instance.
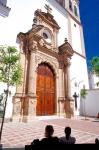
(52, 56)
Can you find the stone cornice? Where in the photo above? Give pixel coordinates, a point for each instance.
(48, 18)
(22, 39)
(66, 49)
(65, 54)
(21, 36)
(50, 52)
(80, 55)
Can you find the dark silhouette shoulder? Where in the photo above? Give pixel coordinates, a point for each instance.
(50, 141)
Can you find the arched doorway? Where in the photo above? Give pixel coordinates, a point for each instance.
(45, 90)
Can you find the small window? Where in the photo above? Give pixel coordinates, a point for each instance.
(45, 36)
(61, 2)
(75, 11)
(74, 25)
(70, 5)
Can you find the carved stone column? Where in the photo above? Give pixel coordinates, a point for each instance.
(61, 90)
(67, 84)
(20, 90)
(17, 105)
(65, 54)
(20, 94)
(30, 101)
(32, 75)
(69, 103)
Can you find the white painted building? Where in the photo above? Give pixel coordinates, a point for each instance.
(93, 81)
(66, 13)
(90, 105)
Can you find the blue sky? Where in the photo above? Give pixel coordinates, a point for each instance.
(89, 11)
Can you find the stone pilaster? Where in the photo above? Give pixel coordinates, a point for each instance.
(67, 84)
(32, 75)
(20, 92)
(61, 88)
(17, 108)
(29, 106)
(68, 103)
(61, 91)
(69, 108)
(30, 101)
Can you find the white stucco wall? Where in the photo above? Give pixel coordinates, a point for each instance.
(76, 38)
(93, 80)
(78, 72)
(21, 19)
(90, 104)
(9, 107)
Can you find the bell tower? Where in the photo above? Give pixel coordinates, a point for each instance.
(75, 29)
(73, 8)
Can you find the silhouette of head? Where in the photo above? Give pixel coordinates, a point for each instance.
(67, 131)
(49, 131)
(96, 141)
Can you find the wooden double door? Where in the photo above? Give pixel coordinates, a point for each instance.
(45, 91)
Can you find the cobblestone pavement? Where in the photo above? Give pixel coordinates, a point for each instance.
(17, 135)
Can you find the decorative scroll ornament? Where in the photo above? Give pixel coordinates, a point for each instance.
(34, 45)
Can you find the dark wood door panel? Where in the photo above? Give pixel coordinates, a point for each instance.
(45, 91)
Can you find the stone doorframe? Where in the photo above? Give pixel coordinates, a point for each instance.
(26, 102)
(66, 103)
(53, 63)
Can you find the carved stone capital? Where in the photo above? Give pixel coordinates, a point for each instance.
(67, 62)
(34, 46)
(42, 42)
(61, 65)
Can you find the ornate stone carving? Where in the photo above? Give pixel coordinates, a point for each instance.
(34, 45)
(48, 8)
(32, 106)
(41, 42)
(17, 108)
(23, 40)
(44, 58)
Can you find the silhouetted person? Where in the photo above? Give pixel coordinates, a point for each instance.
(96, 141)
(67, 139)
(49, 139)
(35, 142)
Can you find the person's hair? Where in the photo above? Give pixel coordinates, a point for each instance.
(67, 132)
(49, 130)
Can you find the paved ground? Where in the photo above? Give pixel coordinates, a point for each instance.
(17, 135)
